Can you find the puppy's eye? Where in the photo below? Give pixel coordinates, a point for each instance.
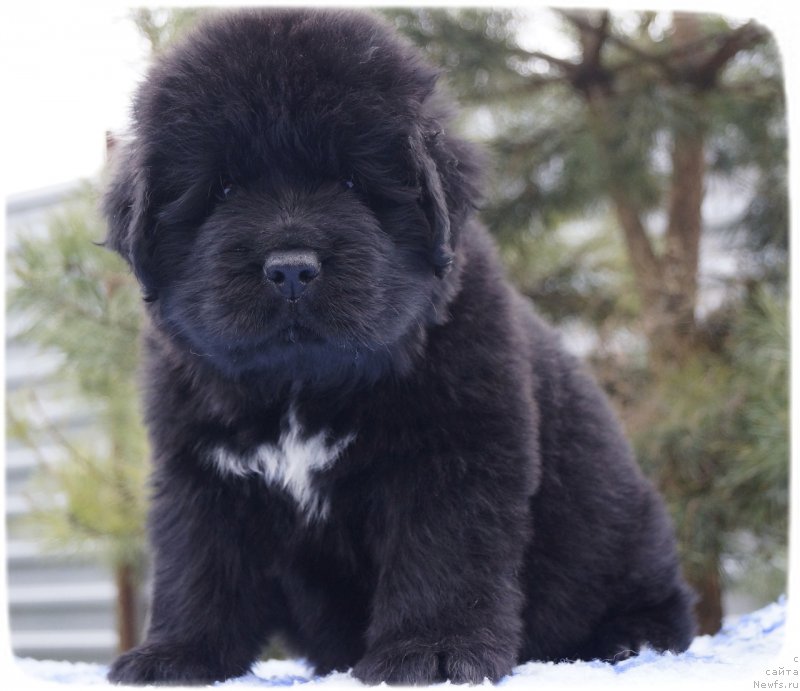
(226, 188)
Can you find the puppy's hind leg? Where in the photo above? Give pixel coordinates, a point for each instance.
(667, 626)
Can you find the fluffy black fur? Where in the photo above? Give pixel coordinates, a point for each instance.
(485, 509)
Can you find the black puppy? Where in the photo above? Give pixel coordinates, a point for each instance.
(363, 437)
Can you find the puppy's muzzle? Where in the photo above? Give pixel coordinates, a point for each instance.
(291, 271)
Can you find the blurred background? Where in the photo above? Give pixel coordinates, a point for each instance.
(639, 197)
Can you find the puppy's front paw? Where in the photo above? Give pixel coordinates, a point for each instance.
(166, 664)
(420, 665)
(470, 667)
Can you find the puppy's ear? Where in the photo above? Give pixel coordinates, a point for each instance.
(125, 205)
(435, 205)
(448, 171)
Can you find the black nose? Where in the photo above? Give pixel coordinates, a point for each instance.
(291, 271)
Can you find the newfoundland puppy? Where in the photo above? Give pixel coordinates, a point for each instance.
(364, 439)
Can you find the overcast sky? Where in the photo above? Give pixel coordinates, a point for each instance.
(69, 69)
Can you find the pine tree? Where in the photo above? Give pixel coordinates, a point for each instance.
(78, 301)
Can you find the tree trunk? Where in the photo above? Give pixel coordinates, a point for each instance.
(127, 625)
(675, 336)
(709, 605)
(673, 324)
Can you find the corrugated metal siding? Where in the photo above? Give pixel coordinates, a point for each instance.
(61, 606)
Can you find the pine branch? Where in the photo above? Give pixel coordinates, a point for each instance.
(514, 145)
(742, 38)
(590, 75)
(58, 436)
(37, 292)
(680, 63)
(645, 263)
(19, 429)
(762, 89)
(567, 67)
(511, 92)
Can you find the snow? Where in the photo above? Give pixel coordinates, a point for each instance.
(745, 654)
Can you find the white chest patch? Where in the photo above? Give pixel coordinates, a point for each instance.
(290, 464)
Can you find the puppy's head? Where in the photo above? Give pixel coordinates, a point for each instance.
(290, 197)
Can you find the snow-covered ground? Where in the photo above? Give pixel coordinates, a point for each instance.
(747, 654)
